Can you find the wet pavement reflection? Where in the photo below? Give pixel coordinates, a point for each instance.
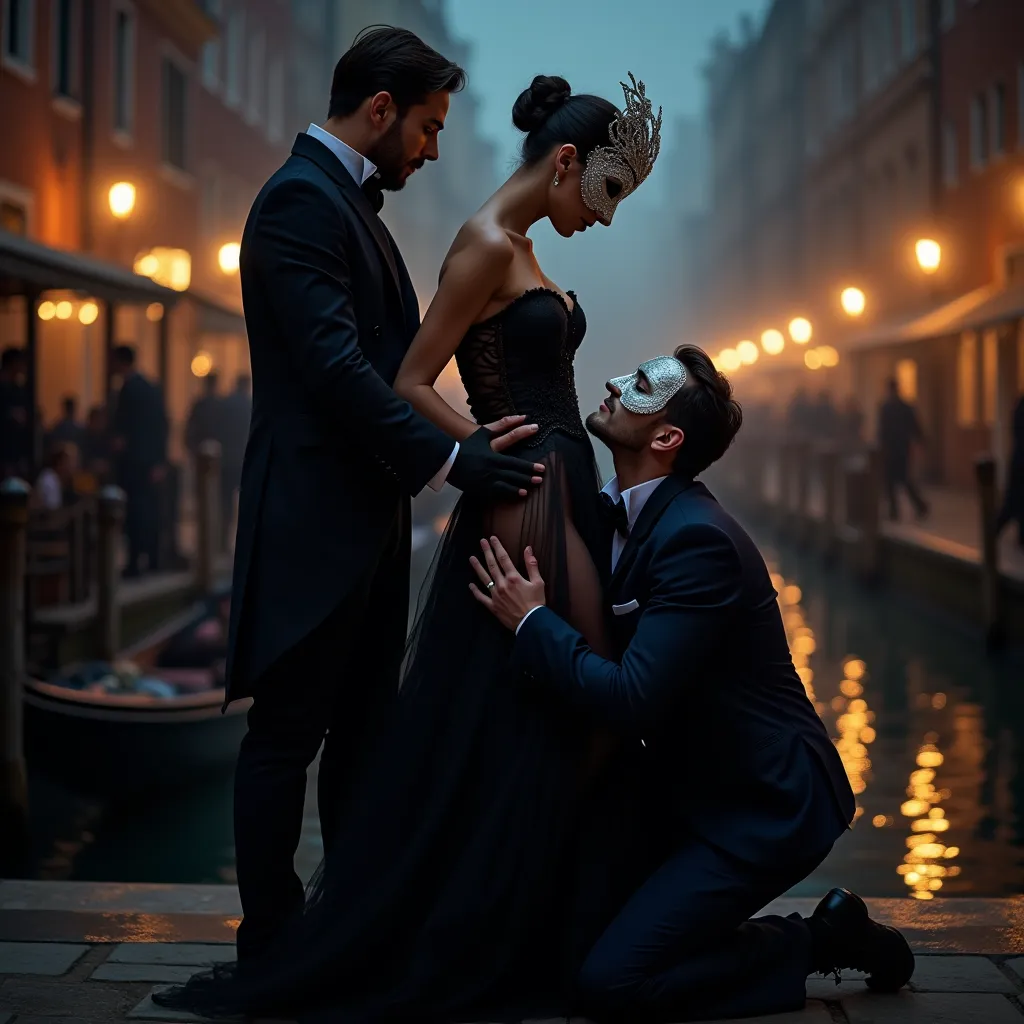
(930, 730)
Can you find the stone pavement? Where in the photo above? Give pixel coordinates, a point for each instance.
(85, 953)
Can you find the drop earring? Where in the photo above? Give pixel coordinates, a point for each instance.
(557, 181)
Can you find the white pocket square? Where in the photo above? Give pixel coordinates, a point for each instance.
(625, 609)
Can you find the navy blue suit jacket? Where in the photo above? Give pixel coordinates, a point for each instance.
(333, 454)
(704, 677)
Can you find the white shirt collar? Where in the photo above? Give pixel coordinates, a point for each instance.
(634, 498)
(355, 163)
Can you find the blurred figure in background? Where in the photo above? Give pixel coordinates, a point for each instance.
(236, 411)
(799, 415)
(851, 424)
(898, 429)
(14, 433)
(824, 418)
(54, 487)
(96, 450)
(68, 429)
(1013, 504)
(140, 444)
(203, 423)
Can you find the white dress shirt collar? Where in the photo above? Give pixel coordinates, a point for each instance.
(634, 498)
(355, 163)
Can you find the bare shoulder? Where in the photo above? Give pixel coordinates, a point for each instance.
(481, 245)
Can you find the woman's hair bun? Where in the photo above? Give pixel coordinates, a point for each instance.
(535, 105)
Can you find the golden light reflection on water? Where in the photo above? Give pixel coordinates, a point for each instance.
(853, 716)
(926, 863)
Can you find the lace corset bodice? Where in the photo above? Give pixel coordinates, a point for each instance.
(519, 361)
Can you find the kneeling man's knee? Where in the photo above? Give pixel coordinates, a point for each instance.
(608, 987)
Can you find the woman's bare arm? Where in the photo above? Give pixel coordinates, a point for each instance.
(469, 280)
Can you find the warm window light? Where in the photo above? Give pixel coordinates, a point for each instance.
(772, 341)
(202, 364)
(800, 330)
(227, 257)
(929, 254)
(121, 198)
(747, 351)
(170, 267)
(730, 359)
(47, 310)
(88, 312)
(828, 355)
(812, 359)
(64, 310)
(154, 312)
(853, 301)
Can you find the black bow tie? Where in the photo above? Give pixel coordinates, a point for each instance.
(615, 511)
(372, 191)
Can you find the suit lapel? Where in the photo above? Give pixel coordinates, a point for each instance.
(652, 511)
(312, 149)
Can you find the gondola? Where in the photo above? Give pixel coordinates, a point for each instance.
(121, 743)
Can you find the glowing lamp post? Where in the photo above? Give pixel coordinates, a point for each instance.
(929, 254)
(121, 199)
(730, 359)
(227, 257)
(853, 301)
(773, 342)
(747, 352)
(800, 330)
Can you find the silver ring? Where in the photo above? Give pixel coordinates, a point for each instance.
(490, 586)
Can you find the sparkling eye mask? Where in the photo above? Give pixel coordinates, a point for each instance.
(664, 377)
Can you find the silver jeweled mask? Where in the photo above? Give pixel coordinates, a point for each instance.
(665, 375)
(613, 172)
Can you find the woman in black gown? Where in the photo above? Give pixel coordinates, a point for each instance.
(454, 889)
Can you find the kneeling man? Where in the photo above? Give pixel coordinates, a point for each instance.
(753, 791)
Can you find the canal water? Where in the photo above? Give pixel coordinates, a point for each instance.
(931, 732)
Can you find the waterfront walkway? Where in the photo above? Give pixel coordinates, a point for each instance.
(85, 953)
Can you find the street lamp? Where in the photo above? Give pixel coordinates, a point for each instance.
(812, 359)
(202, 364)
(227, 257)
(853, 301)
(121, 199)
(64, 310)
(929, 254)
(47, 310)
(730, 359)
(88, 312)
(800, 330)
(748, 353)
(772, 341)
(828, 355)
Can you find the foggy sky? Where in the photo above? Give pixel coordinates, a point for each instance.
(621, 274)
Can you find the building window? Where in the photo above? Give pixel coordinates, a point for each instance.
(19, 33)
(13, 217)
(908, 29)
(947, 14)
(997, 132)
(979, 131)
(174, 104)
(234, 40)
(209, 61)
(906, 379)
(275, 101)
(256, 78)
(950, 166)
(989, 375)
(124, 71)
(209, 203)
(967, 380)
(66, 36)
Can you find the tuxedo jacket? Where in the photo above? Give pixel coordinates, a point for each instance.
(333, 454)
(704, 678)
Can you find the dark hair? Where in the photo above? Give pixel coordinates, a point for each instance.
(394, 60)
(124, 354)
(704, 410)
(551, 116)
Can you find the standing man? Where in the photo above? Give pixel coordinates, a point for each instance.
(898, 429)
(738, 769)
(321, 576)
(140, 442)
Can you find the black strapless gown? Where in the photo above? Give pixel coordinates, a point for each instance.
(453, 889)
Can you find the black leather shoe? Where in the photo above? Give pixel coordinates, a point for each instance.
(846, 937)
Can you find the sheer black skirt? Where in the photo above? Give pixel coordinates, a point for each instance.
(455, 887)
